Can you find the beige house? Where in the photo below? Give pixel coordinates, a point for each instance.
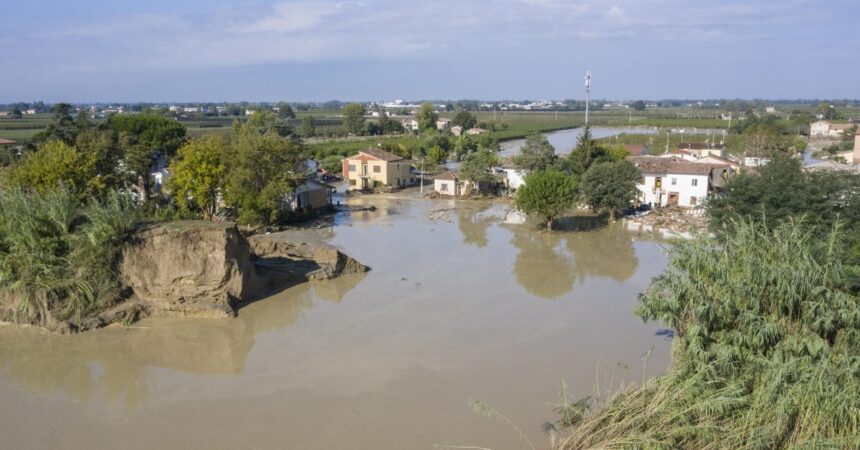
(374, 167)
(475, 131)
(443, 123)
(456, 130)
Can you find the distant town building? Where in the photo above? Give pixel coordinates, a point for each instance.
(826, 129)
(410, 124)
(443, 123)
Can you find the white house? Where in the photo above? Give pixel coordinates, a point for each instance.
(825, 129)
(448, 183)
(514, 178)
(410, 124)
(676, 182)
(475, 131)
(442, 123)
(456, 130)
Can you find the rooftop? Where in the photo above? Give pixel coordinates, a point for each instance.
(378, 153)
(656, 164)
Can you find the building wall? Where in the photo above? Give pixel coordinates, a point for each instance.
(516, 178)
(819, 128)
(683, 187)
(379, 172)
(450, 187)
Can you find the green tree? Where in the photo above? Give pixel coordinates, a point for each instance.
(610, 186)
(638, 105)
(437, 154)
(307, 129)
(477, 166)
(285, 111)
(587, 152)
(53, 165)
(353, 118)
(332, 164)
(536, 154)
(62, 126)
(427, 117)
(197, 175)
(548, 194)
(262, 170)
(617, 152)
(464, 119)
(827, 111)
(142, 139)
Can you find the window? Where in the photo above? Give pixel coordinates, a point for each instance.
(658, 183)
(443, 187)
(674, 181)
(377, 169)
(695, 182)
(352, 167)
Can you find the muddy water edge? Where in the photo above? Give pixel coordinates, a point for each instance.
(459, 304)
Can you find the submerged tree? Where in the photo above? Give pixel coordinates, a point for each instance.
(547, 194)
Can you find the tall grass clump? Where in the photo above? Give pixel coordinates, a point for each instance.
(58, 255)
(766, 349)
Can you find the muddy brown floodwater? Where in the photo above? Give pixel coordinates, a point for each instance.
(461, 305)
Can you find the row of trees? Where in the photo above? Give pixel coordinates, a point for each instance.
(598, 176)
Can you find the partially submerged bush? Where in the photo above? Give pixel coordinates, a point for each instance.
(766, 350)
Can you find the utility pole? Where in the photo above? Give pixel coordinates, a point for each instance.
(587, 92)
(421, 175)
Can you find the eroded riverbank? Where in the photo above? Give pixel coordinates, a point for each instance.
(470, 307)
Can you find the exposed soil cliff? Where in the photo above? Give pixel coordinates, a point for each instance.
(205, 269)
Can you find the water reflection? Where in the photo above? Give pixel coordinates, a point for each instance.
(542, 266)
(607, 252)
(473, 223)
(549, 264)
(117, 361)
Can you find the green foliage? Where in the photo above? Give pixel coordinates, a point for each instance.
(587, 152)
(197, 175)
(307, 128)
(782, 192)
(263, 168)
(427, 117)
(58, 256)
(638, 105)
(548, 194)
(437, 155)
(285, 111)
(536, 154)
(765, 349)
(610, 186)
(617, 152)
(332, 164)
(464, 119)
(477, 167)
(353, 118)
(54, 164)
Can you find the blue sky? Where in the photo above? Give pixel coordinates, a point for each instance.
(313, 50)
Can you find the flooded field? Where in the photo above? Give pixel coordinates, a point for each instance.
(459, 304)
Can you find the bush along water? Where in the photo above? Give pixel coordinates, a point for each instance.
(58, 255)
(766, 349)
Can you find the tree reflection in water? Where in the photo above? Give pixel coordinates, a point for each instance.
(549, 264)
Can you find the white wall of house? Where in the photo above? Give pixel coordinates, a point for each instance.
(820, 128)
(445, 187)
(690, 190)
(516, 178)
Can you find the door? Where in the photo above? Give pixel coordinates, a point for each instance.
(673, 199)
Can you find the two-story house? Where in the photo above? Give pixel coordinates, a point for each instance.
(374, 167)
(677, 182)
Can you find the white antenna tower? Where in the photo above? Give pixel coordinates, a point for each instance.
(587, 91)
